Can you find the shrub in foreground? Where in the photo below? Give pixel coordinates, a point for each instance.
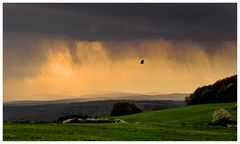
(221, 117)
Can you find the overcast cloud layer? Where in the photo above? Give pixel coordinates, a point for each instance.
(200, 22)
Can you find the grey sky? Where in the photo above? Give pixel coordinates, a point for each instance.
(198, 22)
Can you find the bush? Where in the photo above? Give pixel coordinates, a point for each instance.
(72, 120)
(68, 117)
(92, 120)
(221, 117)
(21, 121)
(119, 121)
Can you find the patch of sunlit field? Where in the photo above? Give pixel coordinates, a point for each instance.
(188, 123)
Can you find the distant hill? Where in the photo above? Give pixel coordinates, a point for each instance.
(101, 97)
(224, 90)
(51, 112)
(92, 105)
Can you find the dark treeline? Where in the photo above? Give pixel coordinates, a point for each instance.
(224, 90)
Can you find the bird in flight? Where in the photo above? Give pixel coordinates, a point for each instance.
(142, 62)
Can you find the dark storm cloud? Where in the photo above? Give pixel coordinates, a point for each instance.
(122, 30)
(198, 22)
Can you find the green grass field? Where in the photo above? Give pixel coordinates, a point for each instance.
(186, 123)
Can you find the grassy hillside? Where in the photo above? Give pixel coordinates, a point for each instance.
(183, 123)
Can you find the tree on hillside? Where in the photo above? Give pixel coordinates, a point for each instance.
(124, 109)
(224, 90)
